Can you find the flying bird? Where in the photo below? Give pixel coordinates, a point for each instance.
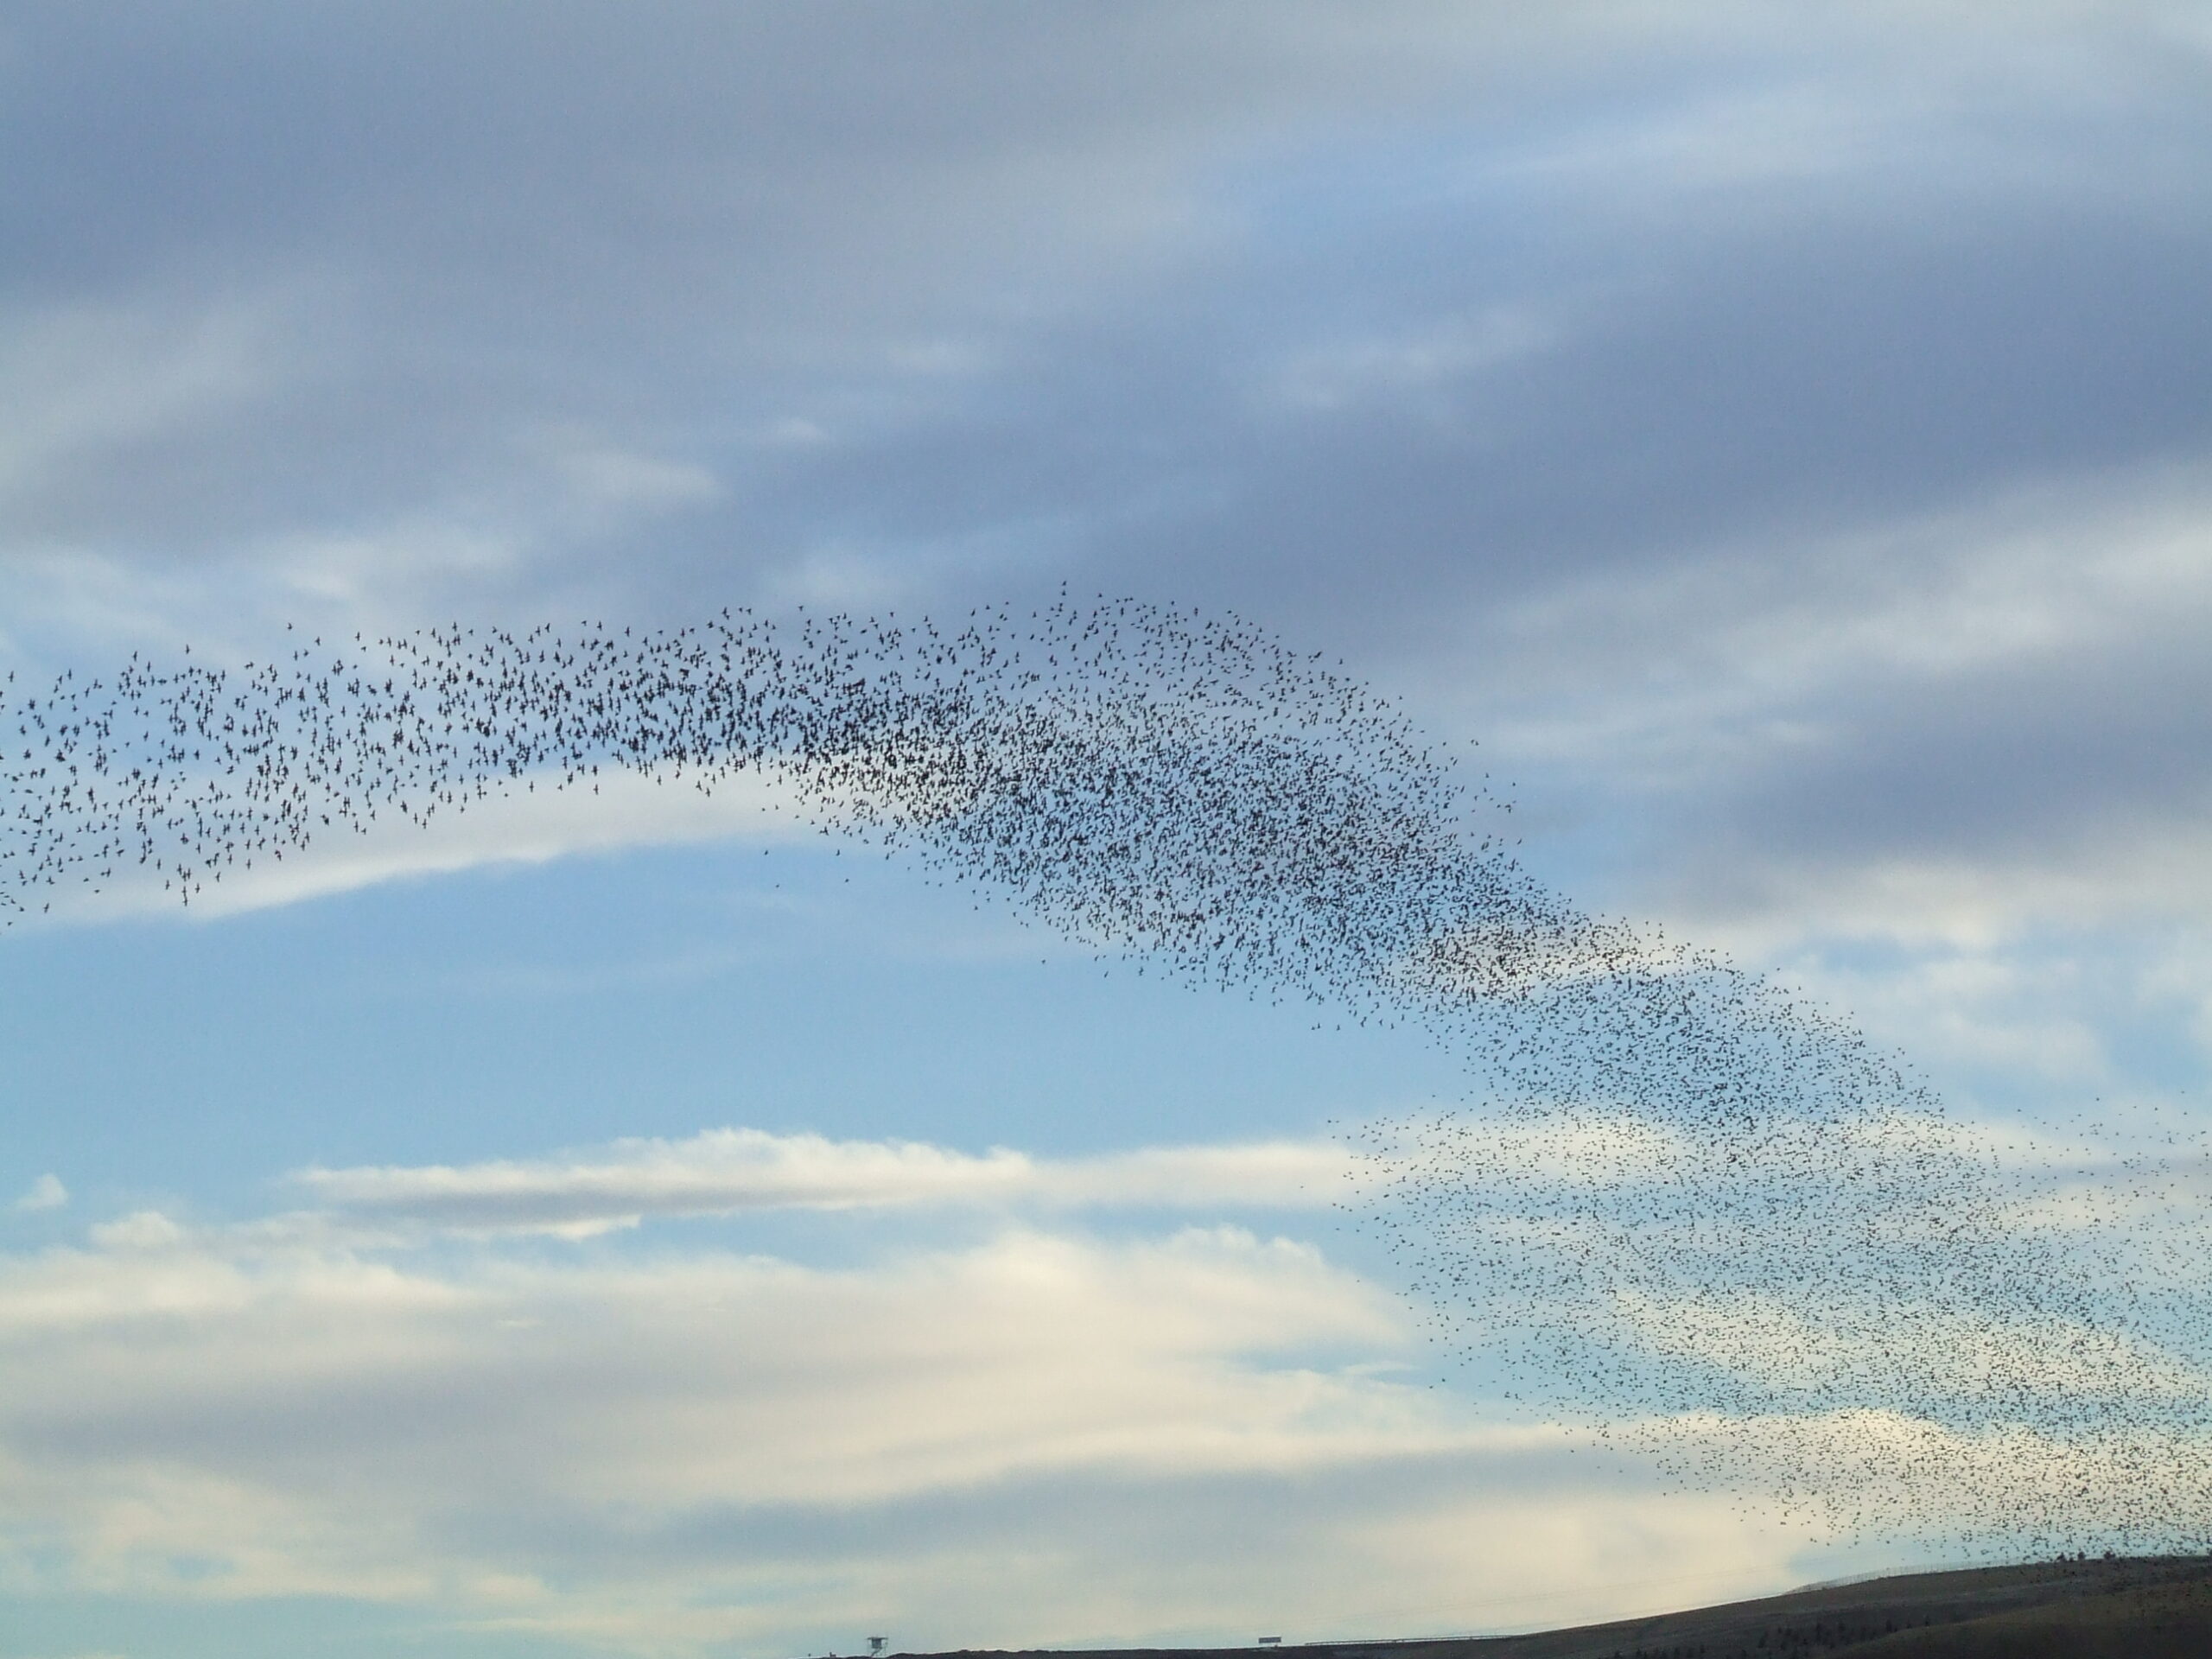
(1680, 1205)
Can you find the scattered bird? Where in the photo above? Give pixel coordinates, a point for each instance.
(1684, 1207)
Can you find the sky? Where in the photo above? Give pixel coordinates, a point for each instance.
(1780, 441)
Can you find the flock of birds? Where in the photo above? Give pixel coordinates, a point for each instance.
(1682, 1207)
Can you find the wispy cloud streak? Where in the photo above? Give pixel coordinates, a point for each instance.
(724, 1171)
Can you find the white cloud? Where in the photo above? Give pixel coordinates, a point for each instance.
(142, 1230)
(1892, 1474)
(536, 822)
(1191, 1434)
(1773, 1336)
(1038, 1438)
(1979, 1272)
(46, 1193)
(723, 1171)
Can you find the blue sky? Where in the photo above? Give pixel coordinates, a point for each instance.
(1781, 442)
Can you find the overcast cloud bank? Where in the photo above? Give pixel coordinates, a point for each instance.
(1796, 436)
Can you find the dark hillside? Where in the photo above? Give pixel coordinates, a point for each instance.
(2137, 1608)
(2145, 1621)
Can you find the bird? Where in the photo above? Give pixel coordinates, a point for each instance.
(1679, 1205)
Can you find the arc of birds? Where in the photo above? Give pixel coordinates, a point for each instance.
(1699, 1214)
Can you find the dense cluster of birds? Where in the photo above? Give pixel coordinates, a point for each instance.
(1683, 1206)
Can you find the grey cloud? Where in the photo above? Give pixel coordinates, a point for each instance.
(659, 231)
(1378, 333)
(2014, 760)
(2002, 688)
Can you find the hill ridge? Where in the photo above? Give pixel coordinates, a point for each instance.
(2126, 1607)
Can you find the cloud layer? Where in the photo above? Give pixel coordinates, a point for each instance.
(1037, 1437)
(1795, 433)
(1795, 436)
(410, 1399)
(721, 1172)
